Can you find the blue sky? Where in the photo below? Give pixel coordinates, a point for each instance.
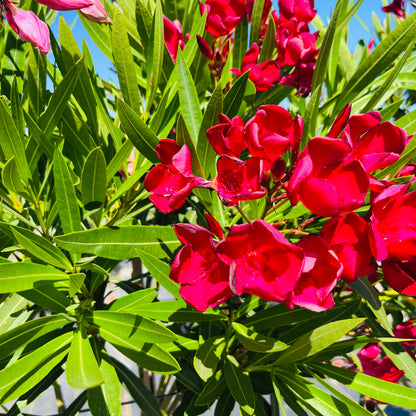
(324, 8)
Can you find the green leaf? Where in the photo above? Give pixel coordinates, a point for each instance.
(16, 277)
(207, 357)
(10, 310)
(212, 390)
(235, 96)
(376, 98)
(354, 407)
(160, 271)
(105, 400)
(254, 341)
(16, 106)
(21, 335)
(76, 281)
(138, 391)
(367, 291)
(100, 34)
(240, 43)
(206, 153)
(317, 340)
(11, 141)
(59, 100)
(122, 242)
(82, 370)
(37, 134)
(370, 386)
(22, 375)
(161, 311)
(319, 402)
(12, 178)
(385, 53)
(131, 327)
(38, 246)
(141, 297)
(225, 404)
(94, 179)
(155, 53)
(123, 61)
(49, 297)
(256, 18)
(269, 43)
(240, 385)
(251, 302)
(66, 198)
(138, 132)
(188, 99)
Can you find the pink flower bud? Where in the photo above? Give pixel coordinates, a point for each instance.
(96, 13)
(65, 4)
(29, 27)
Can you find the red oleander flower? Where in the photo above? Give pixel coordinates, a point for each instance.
(264, 75)
(271, 133)
(65, 4)
(299, 10)
(227, 137)
(28, 26)
(238, 180)
(96, 13)
(173, 36)
(406, 329)
(393, 225)
(401, 276)
(262, 262)
(348, 236)
(320, 274)
(223, 16)
(326, 183)
(396, 7)
(171, 182)
(300, 78)
(203, 276)
(375, 366)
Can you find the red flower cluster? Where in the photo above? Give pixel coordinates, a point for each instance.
(332, 177)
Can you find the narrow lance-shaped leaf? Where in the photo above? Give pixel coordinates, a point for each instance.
(11, 141)
(385, 53)
(235, 96)
(122, 242)
(139, 133)
(59, 100)
(138, 391)
(123, 61)
(16, 277)
(94, 179)
(155, 56)
(82, 370)
(105, 399)
(208, 356)
(256, 15)
(141, 297)
(206, 153)
(370, 386)
(22, 375)
(318, 339)
(188, 98)
(12, 178)
(240, 385)
(66, 198)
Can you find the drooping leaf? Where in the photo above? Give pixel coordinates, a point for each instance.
(82, 370)
(138, 391)
(240, 385)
